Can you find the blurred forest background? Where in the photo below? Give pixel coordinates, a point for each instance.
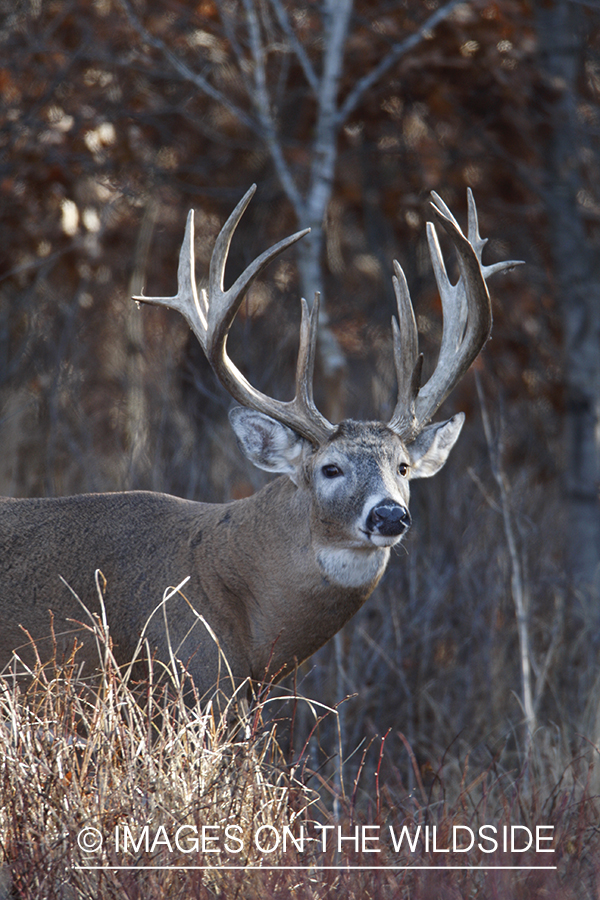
(117, 116)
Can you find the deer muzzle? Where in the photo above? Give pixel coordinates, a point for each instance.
(389, 519)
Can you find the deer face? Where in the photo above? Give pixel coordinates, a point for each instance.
(357, 479)
(359, 485)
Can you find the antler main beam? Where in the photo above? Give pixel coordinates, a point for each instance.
(210, 315)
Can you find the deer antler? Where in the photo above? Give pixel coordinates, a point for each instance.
(466, 309)
(210, 315)
(467, 316)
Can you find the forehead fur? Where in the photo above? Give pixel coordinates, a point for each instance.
(364, 434)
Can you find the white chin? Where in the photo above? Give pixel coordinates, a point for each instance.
(382, 540)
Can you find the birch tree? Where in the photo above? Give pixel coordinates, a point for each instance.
(256, 33)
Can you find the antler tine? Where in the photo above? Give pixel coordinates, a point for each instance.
(303, 400)
(186, 299)
(478, 243)
(223, 305)
(473, 236)
(467, 316)
(407, 362)
(211, 315)
(461, 341)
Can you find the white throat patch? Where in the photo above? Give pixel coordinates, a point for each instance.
(352, 568)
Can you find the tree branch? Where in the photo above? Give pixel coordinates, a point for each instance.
(286, 27)
(229, 30)
(398, 50)
(263, 104)
(337, 16)
(184, 70)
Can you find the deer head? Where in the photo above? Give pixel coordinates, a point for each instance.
(293, 437)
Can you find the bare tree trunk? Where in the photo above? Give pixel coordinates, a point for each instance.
(311, 208)
(562, 38)
(310, 205)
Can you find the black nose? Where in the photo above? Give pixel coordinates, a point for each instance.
(388, 518)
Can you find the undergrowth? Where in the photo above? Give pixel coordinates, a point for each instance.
(133, 789)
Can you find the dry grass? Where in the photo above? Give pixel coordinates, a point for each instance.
(117, 755)
(153, 774)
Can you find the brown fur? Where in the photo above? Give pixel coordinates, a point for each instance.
(252, 563)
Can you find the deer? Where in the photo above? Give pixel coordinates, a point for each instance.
(271, 577)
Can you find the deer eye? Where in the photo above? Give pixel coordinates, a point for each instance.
(331, 471)
(403, 469)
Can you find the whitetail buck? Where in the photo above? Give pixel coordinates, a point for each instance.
(278, 574)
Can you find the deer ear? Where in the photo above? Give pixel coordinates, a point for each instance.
(429, 450)
(267, 443)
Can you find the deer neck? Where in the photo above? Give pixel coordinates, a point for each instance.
(300, 587)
